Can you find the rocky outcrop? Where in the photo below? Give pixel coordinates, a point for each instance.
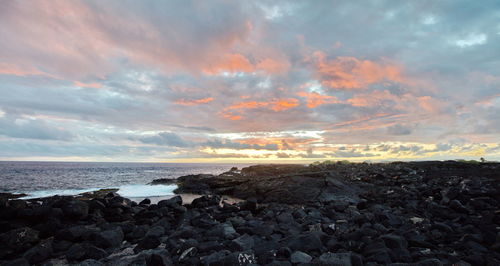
(290, 184)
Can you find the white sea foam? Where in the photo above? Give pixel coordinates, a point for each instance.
(143, 191)
(127, 191)
(53, 192)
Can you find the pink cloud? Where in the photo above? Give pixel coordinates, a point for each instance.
(94, 85)
(276, 105)
(230, 63)
(194, 102)
(350, 73)
(273, 66)
(18, 70)
(78, 40)
(315, 99)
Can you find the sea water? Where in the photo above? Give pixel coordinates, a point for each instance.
(42, 179)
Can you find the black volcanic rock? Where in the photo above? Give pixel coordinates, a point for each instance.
(76, 209)
(108, 238)
(39, 253)
(417, 213)
(292, 184)
(148, 242)
(17, 240)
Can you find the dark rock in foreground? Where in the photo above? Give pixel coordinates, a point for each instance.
(422, 213)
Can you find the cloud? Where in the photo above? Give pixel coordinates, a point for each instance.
(89, 42)
(218, 144)
(165, 139)
(283, 155)
(230, 63)
(94, 85)
(399, 129)
(315, 99)
(276, 105)
(18, 127)
(194, 102)
(350, 154)
(350, 73)
(471, 40)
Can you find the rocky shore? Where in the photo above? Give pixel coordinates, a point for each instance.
(416, 213)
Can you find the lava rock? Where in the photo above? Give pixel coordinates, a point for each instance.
(177, 200)
(76, 233)
(300, 257)
(244, 242)
(17, 240)
(309, 241)
(216, 258)
(16, 262)
(76, 209)
(148, 242)
(109, 238)
(335, 259)
(145, 201)
(39, 253)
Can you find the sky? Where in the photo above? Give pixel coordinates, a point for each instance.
(245, 81)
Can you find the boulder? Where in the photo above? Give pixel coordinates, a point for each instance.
(17, 240)
(244, 242)
(16, 262)
(300, 257)
(309, 241)
(335, 259)
(148, 242)
(39, 253)
(176, 200)
(75, 209)
(145, 201)
(84, 251)
(76, 233)
(109, 238)
(215, 258)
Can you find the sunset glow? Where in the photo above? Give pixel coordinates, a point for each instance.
(223, 81)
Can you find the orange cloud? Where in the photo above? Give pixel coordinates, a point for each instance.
(194, 102)
(230, 63)
(404, 102)
(239, 63)
(276, 105)
(349, 73)
(315, 99)
(284, 104)
(231, 116)
(273, 66)
(87, 85)
(247, 105)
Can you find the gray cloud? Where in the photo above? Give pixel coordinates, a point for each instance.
(399, 129)
(165, 139)
(32, 129)
(219, 143)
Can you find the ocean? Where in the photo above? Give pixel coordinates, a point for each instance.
(41, 179)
